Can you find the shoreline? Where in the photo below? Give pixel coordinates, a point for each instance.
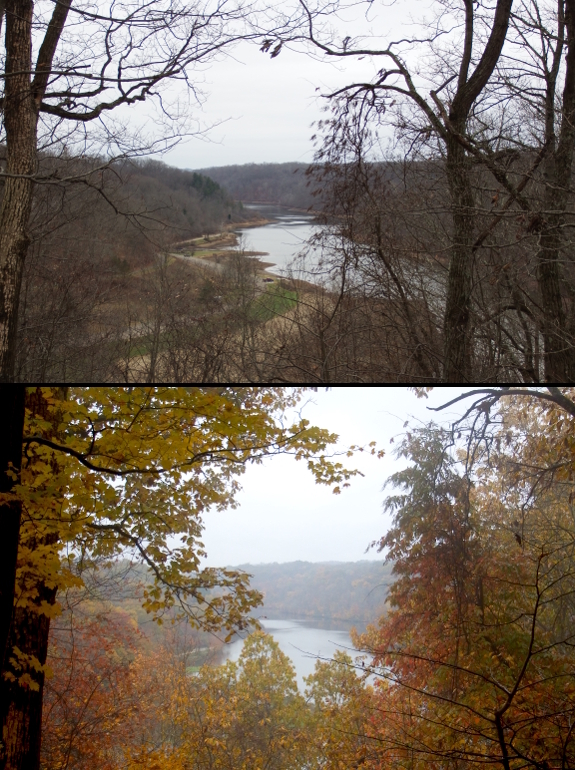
(214, 249)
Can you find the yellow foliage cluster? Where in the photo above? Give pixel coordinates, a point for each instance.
(110, 472)
(472, 666)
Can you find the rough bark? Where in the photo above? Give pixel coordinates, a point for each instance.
(11, 430)
(457, 361)
(23, 719)
(21, 706)
(457, 348)
(21, 105)
(559, 347)
(20, 124)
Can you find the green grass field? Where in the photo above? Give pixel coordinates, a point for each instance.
(273, 302)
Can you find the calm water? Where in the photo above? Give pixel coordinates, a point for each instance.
(301, 642)
(286, 237)
(283, 239)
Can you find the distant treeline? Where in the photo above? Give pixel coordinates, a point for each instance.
(189, 202)
(353, 591)
(284, 183)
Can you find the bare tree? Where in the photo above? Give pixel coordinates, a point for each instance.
(478, 96)
(91, 61)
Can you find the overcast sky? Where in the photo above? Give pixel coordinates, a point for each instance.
(266, 107)
(283, 516)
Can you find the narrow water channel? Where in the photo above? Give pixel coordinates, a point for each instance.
(283, 239)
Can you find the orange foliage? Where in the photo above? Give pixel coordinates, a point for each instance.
(478, 646)
(90, 703)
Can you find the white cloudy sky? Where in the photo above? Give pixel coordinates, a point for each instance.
(284, 516)
(265, 107)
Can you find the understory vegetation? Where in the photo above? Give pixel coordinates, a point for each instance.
(444, 175)
(101, 296)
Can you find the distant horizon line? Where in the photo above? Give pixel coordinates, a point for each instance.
(306, 561)
(252, 163)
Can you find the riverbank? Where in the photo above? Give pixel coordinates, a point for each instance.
(215, 251)
(278, 233)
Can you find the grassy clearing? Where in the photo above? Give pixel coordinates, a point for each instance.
(273, 302)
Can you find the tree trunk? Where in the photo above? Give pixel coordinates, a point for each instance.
(11, 430)
(20, 120)
(559, 355)
(21, 706)
(559, 350)
(23, 718)
(457, 356)
(457, 344)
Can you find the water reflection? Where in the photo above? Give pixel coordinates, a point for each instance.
(286, 237)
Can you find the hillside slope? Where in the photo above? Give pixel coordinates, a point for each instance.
(283, 183)
(352, 591)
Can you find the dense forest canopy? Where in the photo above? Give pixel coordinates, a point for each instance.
(471, 659)
(89, 475)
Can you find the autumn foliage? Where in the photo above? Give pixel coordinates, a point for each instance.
(477, 650)
(115, 472)
(471, 667)
(90, 703)
(113, 703)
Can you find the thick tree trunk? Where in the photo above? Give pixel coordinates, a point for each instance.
(23, 718)
(20, 120)
(559, 345)
(12, 430)
(21, 706)
(457, 344)
(457, 355)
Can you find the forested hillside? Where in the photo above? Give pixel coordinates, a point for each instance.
(354, 591)
(188, 202)
(284, 183)
(97, 290)
(126, 208)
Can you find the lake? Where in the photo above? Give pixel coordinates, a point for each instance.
(301, 641)
(283, 238)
